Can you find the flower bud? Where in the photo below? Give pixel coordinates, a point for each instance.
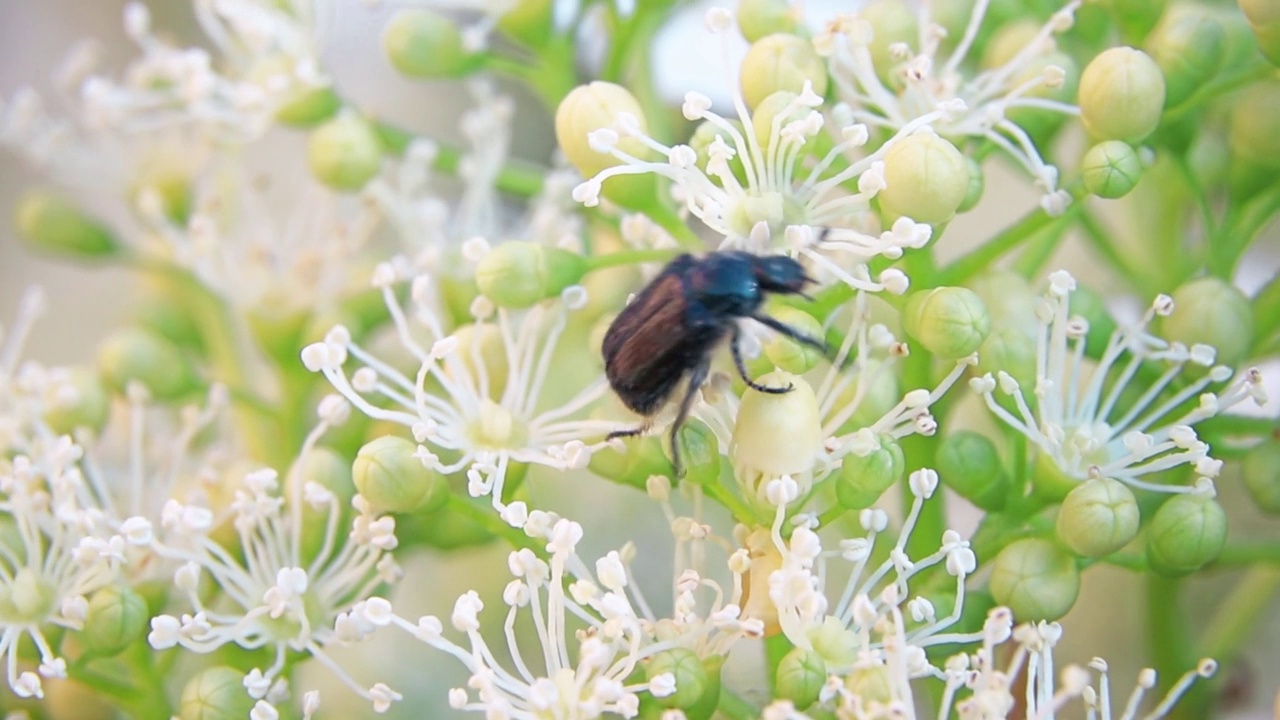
(52, 224)
(591, 107)
(800, 677)
(707, 132)
(116, 617)
(638, 460)
(834, 643)
(781, 63)
(215, 694)
(529, 22)
(1090, 305)
(1110, 169)
(520, 274)
(88, 406)
(445, 530)
(862, 479)
(422, 43)
(137, 354)
(309, 107)
(950, 322)
(870, 683)
(1211, 311)
(969, 463)
(392, 478)
(1035, 579)
(775, 107)
(329, 470)
(1186, 533)
(1010, 351)
(344, 153)
(789, 355)
(758, 18)
(1189, 46)
(1121, 95)
(691, 677)
(1098, 518)
(1252, 132)
(700, 452)
(977, 184)
(1264, 20)
(892, 22)
(1261, 470)
(926, 178)
(1009, 300)
(777, 434)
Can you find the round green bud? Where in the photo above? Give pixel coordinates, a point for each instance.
(862, 479)
(591, 107)
(777, 434)
(1261, 470)
(773, 108)
(892, 22)
(1189, 46)
(789, 355)
(422, 43)
(1090, 305)
(781, 63)
(1252, 132)
(706, 133)
(1035, 579)
(309, 107)
(969, 463)
(1264, 20)
(51, 224)
(137, 354)
(950, 322)
(1186, 533)
(1121, 95)
(529, 22)
(690, 676)
(1009, 299)
(800, 677)
(834, 643)
(1111, 169)
(758, 18)
(520, 274)
(344, 153)
(637, 461)
(1098, 518)
(116, 617)
(390, 475)
(87, 407)
(977, 184)
(700, 452)
(870, 684)
(1008, 41)
(926, 179)
(880, 395)
(215, 694)
(1013, 352)
(1212, 311)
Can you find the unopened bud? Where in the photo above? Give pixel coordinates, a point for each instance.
(389, 474)
(1121, 95)
(592, 107)
(1035, 579)
(1186, 533)
(1252, 134)
(422, 43)
(217, 693)
(117, 616)
(529, 22)
(52, 224)
(1098, 518)
(950, 322)
(690, 676)
(926, 179)
(309, 107)
(800, 677)
(520, 274)
(1111, 169)
(700, 452)
(86, 407)
(1214, 312)
(1261, 470)
(781, 62)
(789, 355)
(344, 153)
(862, 479)
(969, 463)
(135, 354)
(1189, 46)
(758, 18)
(777, 434)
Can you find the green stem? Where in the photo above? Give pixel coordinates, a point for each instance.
(967, 266)
(1242, 231)
(1169, 638)
(1237, 615)
(490, 521)
(514, 178)
(727, 499)
(1251, 554)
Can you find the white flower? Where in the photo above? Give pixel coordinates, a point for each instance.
(975, 107)
(1082, 419)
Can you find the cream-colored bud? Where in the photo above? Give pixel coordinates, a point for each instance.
(592, 107)
(344, 153)
(777, 434)
(926, 179)
(1121, 95)
(781, 63)
(950, 322)
(1098, 518)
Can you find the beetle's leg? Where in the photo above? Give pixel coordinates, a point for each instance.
(742, 368)
(791, 332)
(629, 432)
(696, 378)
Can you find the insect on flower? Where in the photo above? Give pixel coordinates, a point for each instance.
(670, 330)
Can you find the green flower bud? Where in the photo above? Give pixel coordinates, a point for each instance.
(1252, 132)
(834, 643)
(926, 178)
(445, 530)
(166, 309)
(1090, 305)
(777, 434)
(769, 110)
(141, 355)
(27, 598)
(1189, 46)
(800, 677)
(1121, 95)
(1186, 533)
(870, 684)
(977, 184)
(781, 63)
(328, 469)
(116, 617)
(388, 474)
(530, 22)
(1009, 300)
(423, 43)
(892, 22)
(88, 407)
(1264, 20)
(172, 188)
(950, 322)
(1261, 470)
(639, 459)
(758, 18)
(788, 354)
(690, 676)
(969, 463)
(1211, 311)
(1098, 518)
(1010, 351)
(309, 107)
(1008, 41)
(706, 133)
(588, 108)
(1035, 579)
(52, 224)
(700, 452)
(215, 694)
(519, 274)
(1110, 169)
(344, 153)
(862, 479)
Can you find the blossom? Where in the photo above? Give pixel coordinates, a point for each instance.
(1082, 419)
(922, 81)
(285, 594)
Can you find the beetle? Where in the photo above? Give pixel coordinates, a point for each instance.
(669, 332)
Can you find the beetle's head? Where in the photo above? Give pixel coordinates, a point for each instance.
(780, 274)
